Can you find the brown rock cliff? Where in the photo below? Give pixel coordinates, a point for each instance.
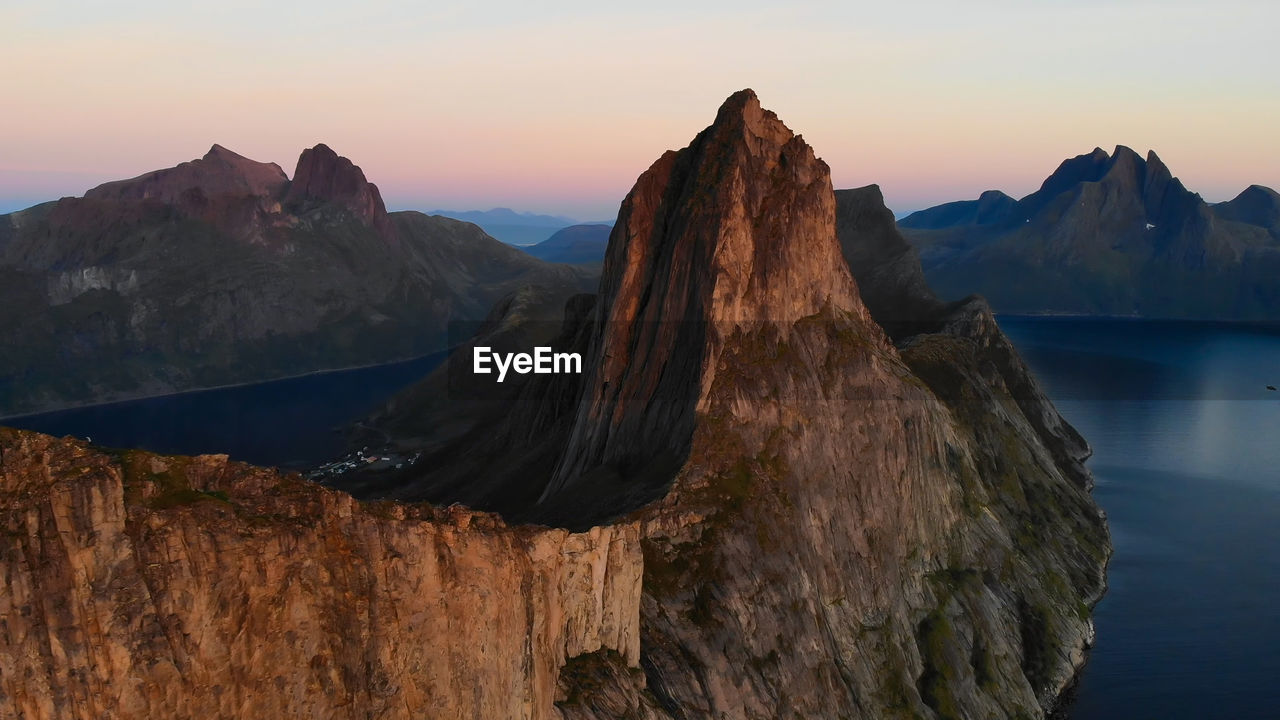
(135, 586)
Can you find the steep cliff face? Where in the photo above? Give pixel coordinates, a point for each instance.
(221, 270)
(890, 280)
(138, 586)
(835, 527)
(780, 510)
(727, 236)
(325, 178)
(854, 531)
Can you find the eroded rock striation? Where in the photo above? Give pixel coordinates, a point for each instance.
(771, 507)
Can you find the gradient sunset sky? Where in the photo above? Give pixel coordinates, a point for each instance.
(557, 107)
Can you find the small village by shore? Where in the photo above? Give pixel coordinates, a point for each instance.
(365, 459)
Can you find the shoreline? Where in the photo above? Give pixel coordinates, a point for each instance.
(1260, 324)
(227, 386)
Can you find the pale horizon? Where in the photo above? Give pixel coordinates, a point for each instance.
(557, 111)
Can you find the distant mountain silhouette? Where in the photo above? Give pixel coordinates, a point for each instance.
(991, 206)
(1108, 234)
(509, 226)
(576, 245)
(223, 270)
(1257, 205)
(506, 216)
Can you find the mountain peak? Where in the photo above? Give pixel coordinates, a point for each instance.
(1255, 205)
(219, 172)
(1124, 151)
(220, 152)
(324, 176)
(732, 233)
(743, 110)
(1127, 166)
(744, 101)
(1089, 167)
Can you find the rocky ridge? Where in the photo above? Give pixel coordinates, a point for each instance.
(139, 586)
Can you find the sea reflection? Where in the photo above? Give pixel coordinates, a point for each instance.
(1188, 469)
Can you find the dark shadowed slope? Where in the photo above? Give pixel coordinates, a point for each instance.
(578, 245)
(1108, 234)
(1256, 205)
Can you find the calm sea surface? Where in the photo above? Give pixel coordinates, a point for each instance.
(1187, 457)
(289, 423)
(1186, 442)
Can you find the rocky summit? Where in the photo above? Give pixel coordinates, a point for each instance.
(754, 503)
(223, 270)
(324, 177)
(1108, 234)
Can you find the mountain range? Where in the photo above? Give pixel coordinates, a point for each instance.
(789, 482)
(225, 270)
(521, 229)
(1108, 234)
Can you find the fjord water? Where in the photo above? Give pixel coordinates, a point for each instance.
(1186, 441)
(294, 422)
(1187, 459)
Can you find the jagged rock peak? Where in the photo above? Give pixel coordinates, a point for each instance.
(1126, 165)
(745, 172)
(1089, 167)
(324, 176)
(219, 172)
(735, 231)
(218, 152)
(1125, 151)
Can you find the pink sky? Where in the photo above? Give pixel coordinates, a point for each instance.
(560, 109)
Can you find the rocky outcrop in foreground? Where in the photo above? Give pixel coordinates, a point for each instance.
(772, 509)
(139, 586)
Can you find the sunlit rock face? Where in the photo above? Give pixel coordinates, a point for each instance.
(140, 586)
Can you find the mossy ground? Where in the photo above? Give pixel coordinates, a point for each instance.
(169, 483)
